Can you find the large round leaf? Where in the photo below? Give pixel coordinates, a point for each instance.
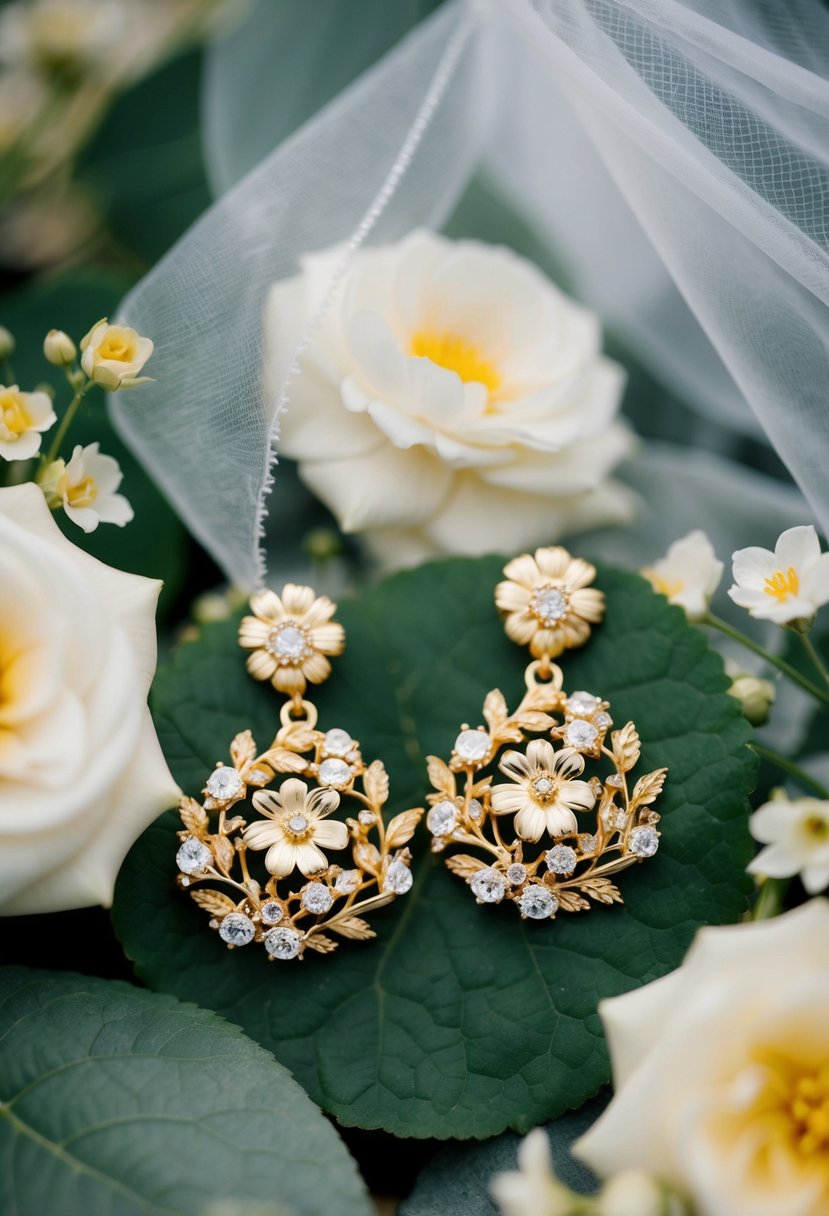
(460, 1020)
(119, 1102)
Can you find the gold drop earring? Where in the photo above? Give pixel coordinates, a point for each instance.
(546, 836)
(298, 872)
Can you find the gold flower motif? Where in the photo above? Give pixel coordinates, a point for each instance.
(542, 794)
(547, 602)
(296, 825)
(290, 637)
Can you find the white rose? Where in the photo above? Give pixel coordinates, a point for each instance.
(452, 400)
(81, 770)
(721, 1071)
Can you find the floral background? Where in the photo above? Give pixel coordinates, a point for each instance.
(401, 1074)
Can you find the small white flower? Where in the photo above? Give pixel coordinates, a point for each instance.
(688, 574)
(85, 487)
(113, 355)
(787, 585)
(23, 416)
(796, 833)
(532, 1189)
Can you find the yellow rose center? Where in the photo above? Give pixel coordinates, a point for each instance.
(809, 1112)
(456, 355)
(117, 346)
(13, 415)
(780, 586)
(83, 494)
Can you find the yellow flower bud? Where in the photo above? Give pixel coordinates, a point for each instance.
(59, 348)
(756, 697)
(7, 342)
(113, 355)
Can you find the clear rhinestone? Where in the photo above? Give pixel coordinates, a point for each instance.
(298, 823)
(398, 878)
(442, 818)
(193, 856)
(542, 786)
(587, 844)
(489, 886)
(476, 809)
(237, 929)
(367, 818)
(561, 859)
(224, 783)
(337, 743)
(334, 772)
(550, 605)
(580, 734)
(603, 720)
(347, 881)
(582, 704)
(316, 898)
(643, 842)
(537, 902)
(473, 745)
(288, 643)
(282, 943)
(516, 874)
(614, 817)
(272, 912)
(616, 781)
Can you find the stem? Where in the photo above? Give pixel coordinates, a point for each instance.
(788, 766)
(786, 668)
(66, 422)
(808, 646)
(770, 899)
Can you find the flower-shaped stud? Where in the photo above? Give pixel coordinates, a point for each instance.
(295, 827)
(290, 638)
(542, 793)
(547, 601)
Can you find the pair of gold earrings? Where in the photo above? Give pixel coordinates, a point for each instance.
(547, 838)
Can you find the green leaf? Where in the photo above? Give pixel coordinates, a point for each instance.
(152, 183)
(460, 1020)
(155, 543)
(127, 1103)
(456, 1181)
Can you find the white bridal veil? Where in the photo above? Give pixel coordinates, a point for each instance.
(674, 154)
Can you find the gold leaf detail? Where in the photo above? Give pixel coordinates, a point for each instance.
(625, 747)
(602, 890)
(533, 720)
(193, 816)
(441, 776)
(353, 927)
(366, 856)
(321, 943)
(283, 761)
(213, 902)
(495, 709)
(571, 901)
(648, 788)
(298, 736)
(402, 827)
(223, 851)
(464, 865)
(376, 783)
(242, 749)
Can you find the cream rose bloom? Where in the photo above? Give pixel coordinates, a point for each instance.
(81, 770)
(721, 1072)
(452, 399)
